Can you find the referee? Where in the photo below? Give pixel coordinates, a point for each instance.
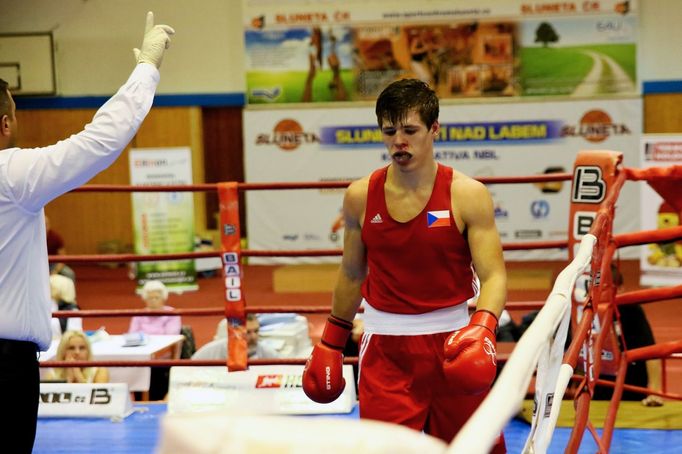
(29, 179)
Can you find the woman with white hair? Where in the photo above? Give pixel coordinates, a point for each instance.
(155, 295)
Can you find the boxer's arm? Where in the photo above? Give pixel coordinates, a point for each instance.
(470, 352)
(478, 215)
(353, 270)
(323, 380)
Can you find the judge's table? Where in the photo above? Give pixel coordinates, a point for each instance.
(112, 348)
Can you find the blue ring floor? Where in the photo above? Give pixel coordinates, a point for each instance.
(139, 433)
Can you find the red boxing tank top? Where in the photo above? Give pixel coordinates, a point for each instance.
(420, 265)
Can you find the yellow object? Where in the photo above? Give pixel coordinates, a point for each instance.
(631, 415)
(529, 279)
(322, 278)
(305, 278)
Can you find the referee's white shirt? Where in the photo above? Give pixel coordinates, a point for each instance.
(30, 178)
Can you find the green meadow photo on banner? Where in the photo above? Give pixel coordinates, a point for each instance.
(579, 57)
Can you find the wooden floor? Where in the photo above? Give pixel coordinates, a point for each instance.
(100, 287)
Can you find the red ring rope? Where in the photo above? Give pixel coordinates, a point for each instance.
(208, 187)
(602, 220)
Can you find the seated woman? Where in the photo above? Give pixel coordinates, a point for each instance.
(155, 295)
(75, 346)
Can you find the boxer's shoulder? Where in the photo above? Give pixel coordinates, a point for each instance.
(357, 190)
(463, 186)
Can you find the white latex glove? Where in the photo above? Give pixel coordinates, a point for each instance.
(156, 41)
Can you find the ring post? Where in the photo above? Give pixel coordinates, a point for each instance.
(230, 242)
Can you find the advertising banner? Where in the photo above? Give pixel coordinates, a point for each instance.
(660, 263)
(163, 222)
(338, 50)
(344, 144)
(84, 400)
(273, 390)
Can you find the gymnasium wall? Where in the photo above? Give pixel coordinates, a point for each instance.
(202, 85)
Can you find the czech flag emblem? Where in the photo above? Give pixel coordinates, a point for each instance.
(438, 218)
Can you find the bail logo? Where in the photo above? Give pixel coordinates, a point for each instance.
(588, 185)
(98, 396)
(582, 223)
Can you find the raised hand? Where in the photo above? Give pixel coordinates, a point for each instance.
(156, 41)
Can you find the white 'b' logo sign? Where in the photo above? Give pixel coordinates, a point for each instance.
(582, 223)
(588, 185)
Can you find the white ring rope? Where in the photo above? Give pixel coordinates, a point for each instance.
(535, 346)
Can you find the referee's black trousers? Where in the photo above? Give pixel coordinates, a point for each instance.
(19, 394)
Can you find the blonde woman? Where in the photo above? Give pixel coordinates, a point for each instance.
(75, 346)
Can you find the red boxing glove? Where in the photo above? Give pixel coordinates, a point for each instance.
(470, 357)
(323, 379)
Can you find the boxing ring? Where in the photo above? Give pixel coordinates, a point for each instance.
(540, 348)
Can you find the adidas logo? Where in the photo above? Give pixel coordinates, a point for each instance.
(376, 219)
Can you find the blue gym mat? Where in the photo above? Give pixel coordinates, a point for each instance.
(140, 431)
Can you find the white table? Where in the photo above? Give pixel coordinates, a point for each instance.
(159, 346)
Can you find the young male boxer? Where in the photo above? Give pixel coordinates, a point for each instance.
(420, 242)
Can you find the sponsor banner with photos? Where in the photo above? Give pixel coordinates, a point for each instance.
(660, 263)
(345, 144)
(163, 222)
(339, 50)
